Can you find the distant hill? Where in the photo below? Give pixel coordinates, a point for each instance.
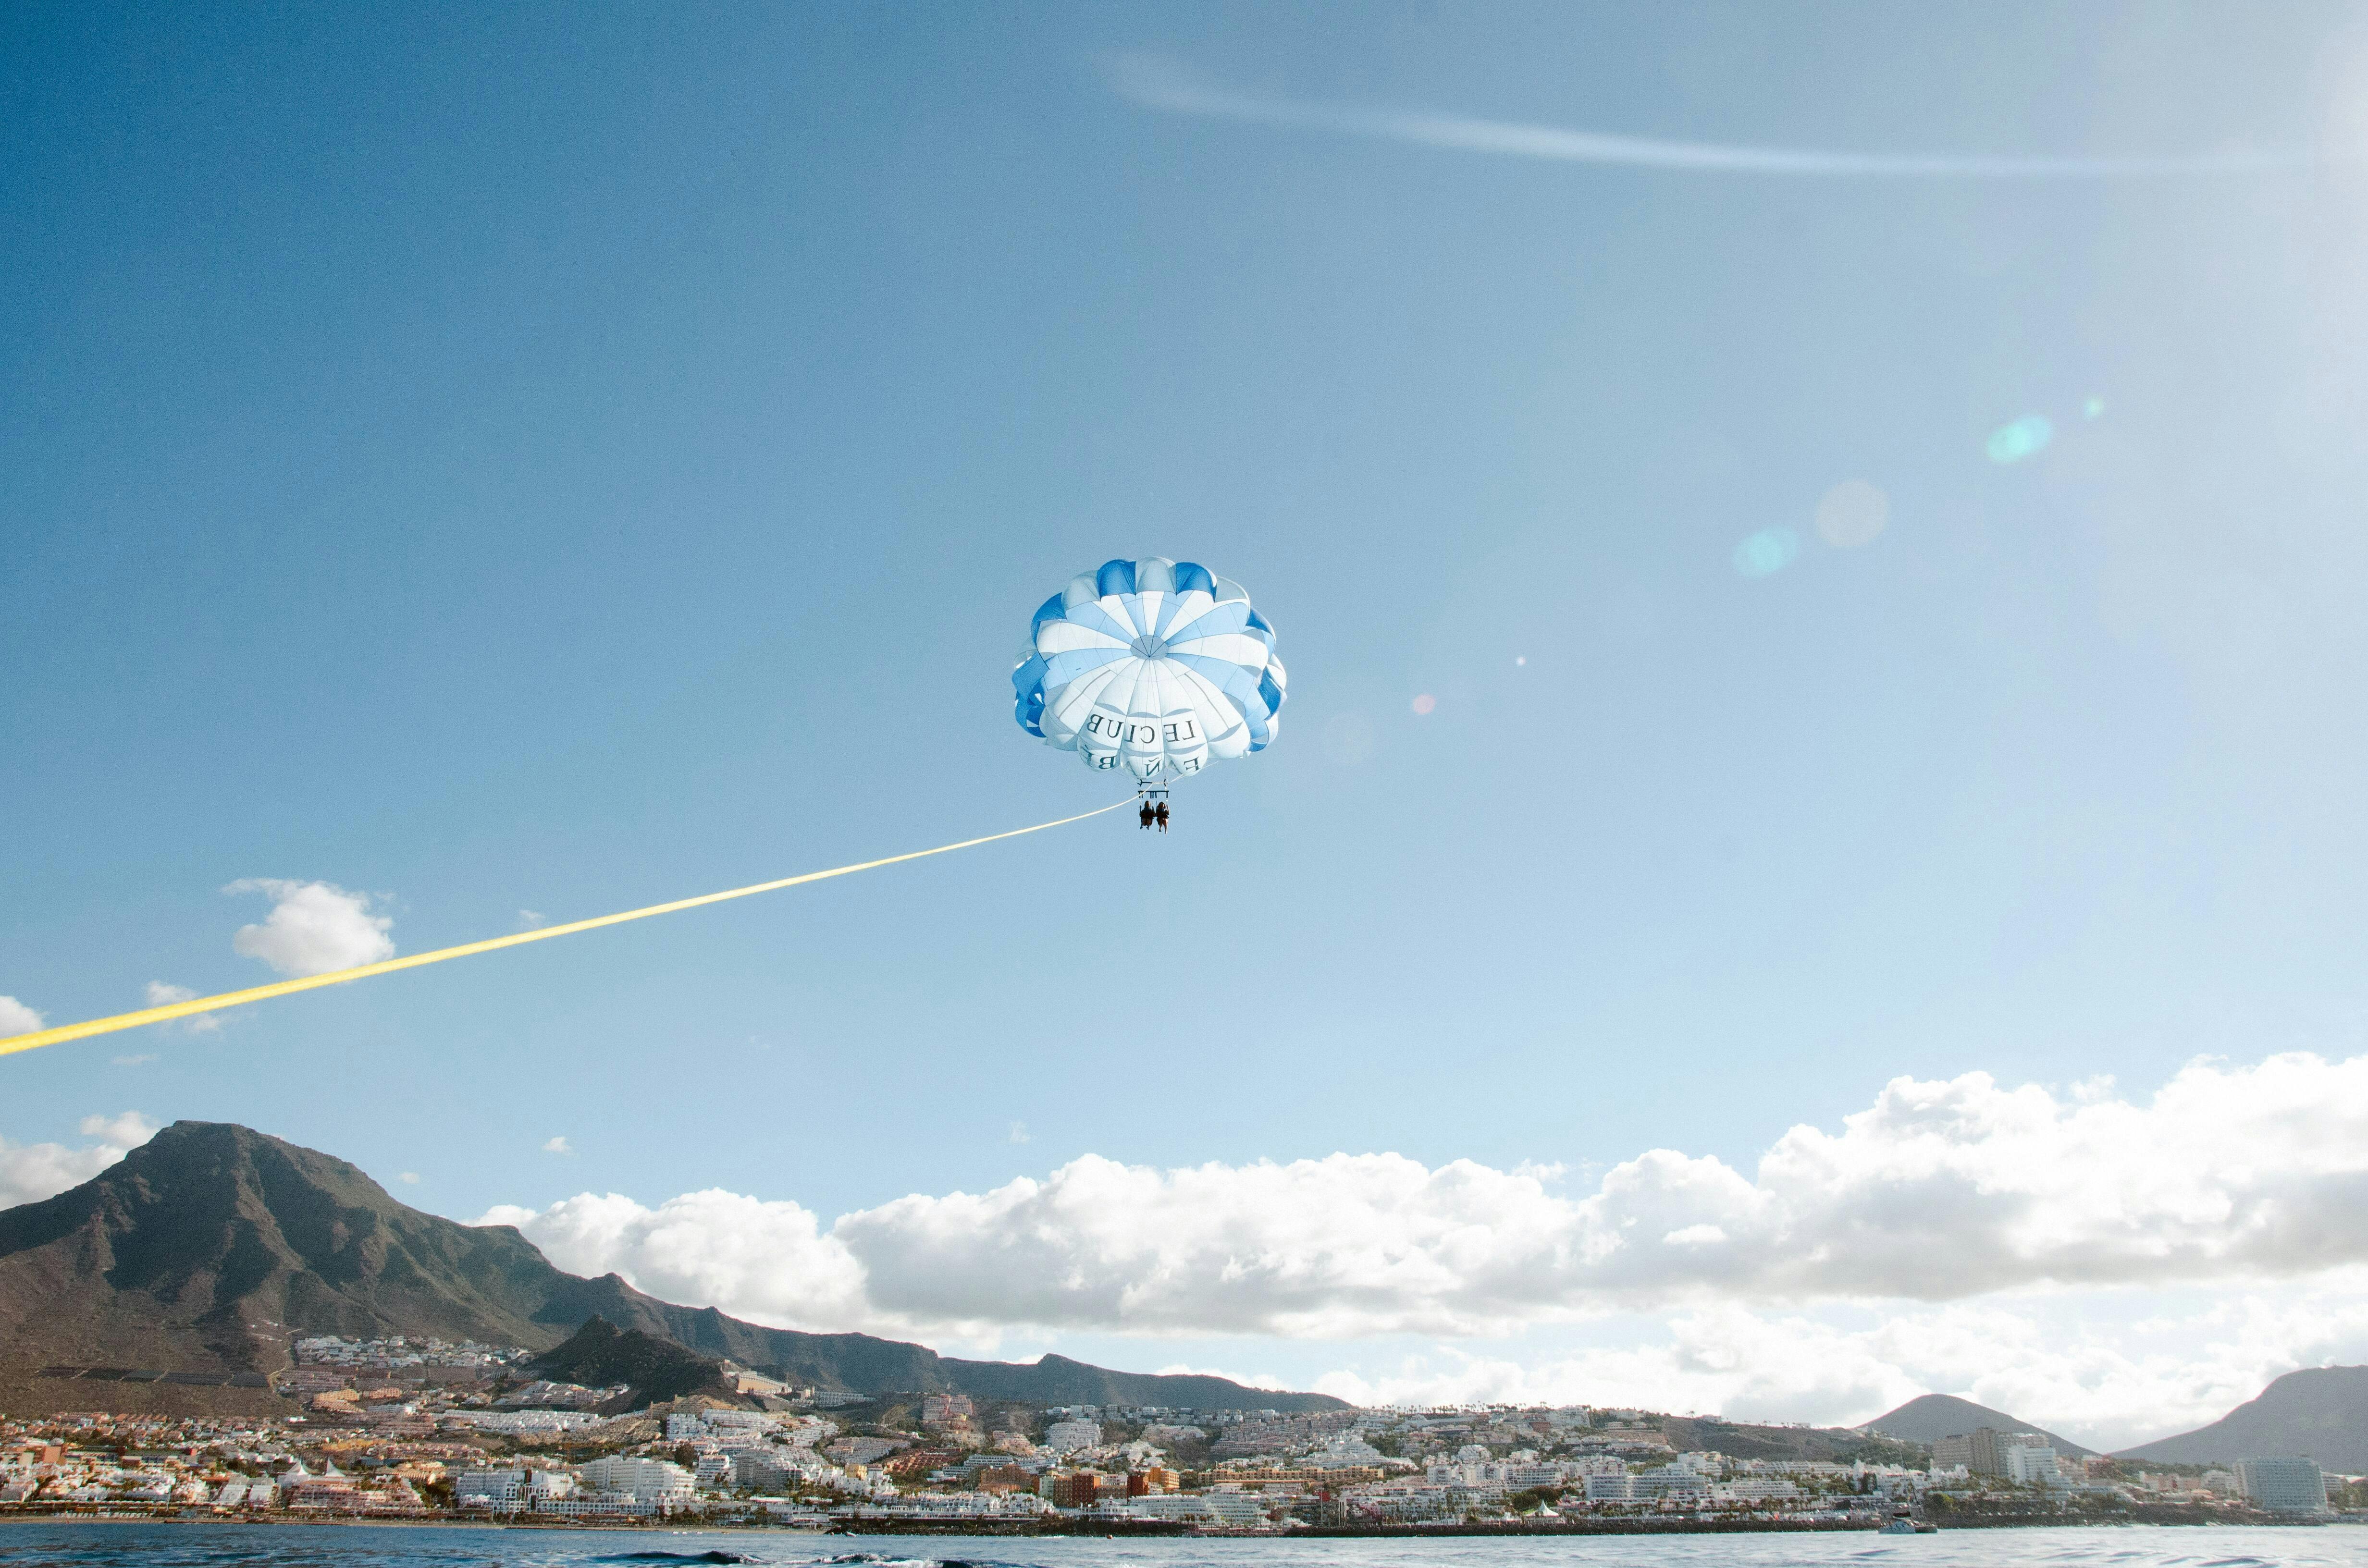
(1746, 1440)
(2321, 1412)
(600, 1355)
(1930, 1417)
(204, 1250)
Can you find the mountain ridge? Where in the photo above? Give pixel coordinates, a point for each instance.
(2321, 1412)
(208, 1247)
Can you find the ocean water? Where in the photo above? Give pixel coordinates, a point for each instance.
(89, 1545)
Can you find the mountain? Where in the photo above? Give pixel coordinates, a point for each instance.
(204, 1251)
(1930, 1417)
(2321, 1412)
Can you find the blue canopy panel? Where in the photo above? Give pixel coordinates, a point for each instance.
(1028, 695)
(1217, 620)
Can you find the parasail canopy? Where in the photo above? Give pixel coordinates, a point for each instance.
(1153, 666)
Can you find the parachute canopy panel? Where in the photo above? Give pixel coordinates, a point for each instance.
(1153, 667)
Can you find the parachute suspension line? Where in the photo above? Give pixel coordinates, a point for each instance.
(171, 1010)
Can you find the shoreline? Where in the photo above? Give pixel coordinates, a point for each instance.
(1110, 1530)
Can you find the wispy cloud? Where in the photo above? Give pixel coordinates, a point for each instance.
(142, 1060)
(559, 1146)
(161, 993)
(1160, 84)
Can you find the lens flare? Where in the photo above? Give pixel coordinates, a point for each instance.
(1852, 514)
(1766, 553)
(1348, 739)
(1425, 703)
(2093, 409)
(2027, 436)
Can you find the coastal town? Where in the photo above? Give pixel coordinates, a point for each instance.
(426, 1429)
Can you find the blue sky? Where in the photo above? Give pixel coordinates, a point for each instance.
(510, 458)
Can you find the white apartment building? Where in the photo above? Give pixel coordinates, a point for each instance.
(741, 1420)
(644, 1481)
(1067, 1436)
(547, 1486)
(502, 1490)
(1234, 1508)
(2031, 1466)
(1755, 1489)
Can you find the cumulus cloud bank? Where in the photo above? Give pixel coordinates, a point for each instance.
(768, 1261)
(30, 1172)
(1939, 1191)
(314, 927)
(2095, 1366)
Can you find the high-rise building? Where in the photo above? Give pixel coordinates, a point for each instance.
(1071, 1489)
(1984, 1450)
(2282, 1485)
(2032, 1465)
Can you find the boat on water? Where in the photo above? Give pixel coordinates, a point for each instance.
(1904, 1523)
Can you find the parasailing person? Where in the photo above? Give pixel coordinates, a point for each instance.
(1155, 667)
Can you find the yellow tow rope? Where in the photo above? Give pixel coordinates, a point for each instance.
(171, 1010)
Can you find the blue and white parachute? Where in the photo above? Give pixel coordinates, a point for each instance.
(1153, 666)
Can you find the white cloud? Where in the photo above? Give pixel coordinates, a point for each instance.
(314, 927)
(142, 1060)
(161, 993)
(125, 1132)
(765, 1261)
(409, 1178)
(558, 1146)
(530, 919)
(2017, 1245)
(30, 1172)
(1019, 1132)
(1940, 1191)
(17, 1018)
